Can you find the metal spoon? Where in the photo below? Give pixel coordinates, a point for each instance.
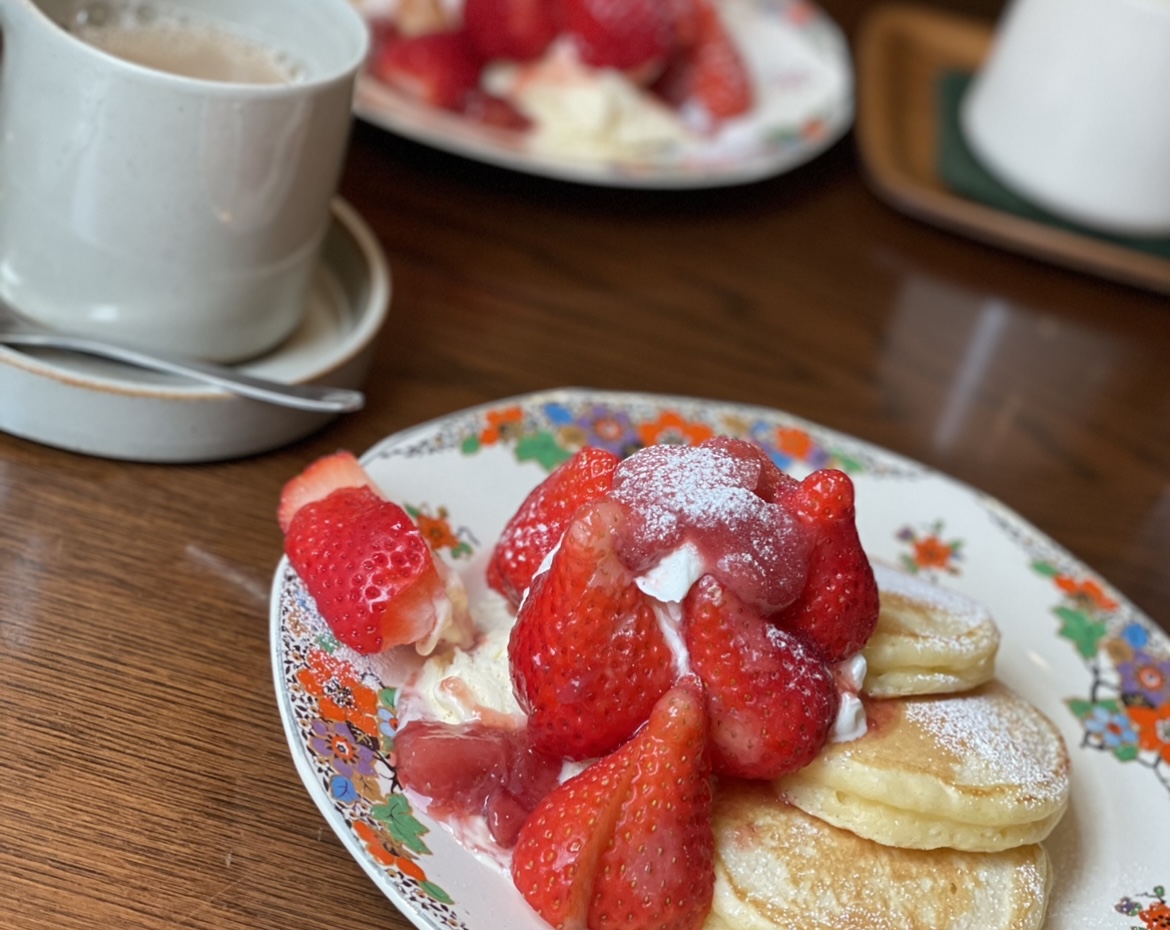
(15, 330)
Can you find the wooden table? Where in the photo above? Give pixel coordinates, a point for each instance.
(146, 782)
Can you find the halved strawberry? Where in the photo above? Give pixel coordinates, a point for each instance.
(627, 843)
(319, 480)
(437, 68)
(537, 525)
(708, 73)
(634, 36)
(838, 608)
(771, 699)
(588, 657)
(518, 30)
(368, 568)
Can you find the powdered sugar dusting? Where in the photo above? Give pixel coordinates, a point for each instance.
(998, 738)
(706, 496)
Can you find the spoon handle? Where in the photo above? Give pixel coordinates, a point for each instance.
(301, 396)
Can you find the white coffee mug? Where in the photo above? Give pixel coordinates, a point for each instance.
(1071, 110)
(173, 212)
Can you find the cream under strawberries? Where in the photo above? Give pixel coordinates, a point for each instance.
(457, 685)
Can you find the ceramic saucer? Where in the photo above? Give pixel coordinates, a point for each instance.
(103, 408)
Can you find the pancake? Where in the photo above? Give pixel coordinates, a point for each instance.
(777, 868)
(980, 771)
(928, 640)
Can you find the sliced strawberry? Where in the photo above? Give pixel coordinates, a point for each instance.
(709, 497)
(838, 608)
(658, 873)
(634, 36)
(368, 568)
(588, 657)
(627, 843)
(555, 860)
(709, 73)
(771, 699)
(438, 68)
(518, 30)
(537, 525)
(321, 478)
(475, 769)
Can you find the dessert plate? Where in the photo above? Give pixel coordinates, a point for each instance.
(1070, 643)
(99, 407)
(804, 79)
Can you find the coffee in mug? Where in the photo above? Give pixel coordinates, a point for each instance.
(167, 39)
(177, 203)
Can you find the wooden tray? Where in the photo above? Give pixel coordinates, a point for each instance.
(902, 50)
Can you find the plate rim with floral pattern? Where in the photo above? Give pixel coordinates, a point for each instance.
(1072, 644)
(774, 146)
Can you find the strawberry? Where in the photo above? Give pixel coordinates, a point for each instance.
(518, 30)
(474, 768)
(771, 699)
(708, 497)
(368, 568)
(437, 68)
(838, 608)
(489, 110)
(635, 36)
(770, 480)
(627, 843)
(539, 522)
(588, 658)
(327, 474)
(708, 73)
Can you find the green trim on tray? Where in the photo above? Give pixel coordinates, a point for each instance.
(965, 176)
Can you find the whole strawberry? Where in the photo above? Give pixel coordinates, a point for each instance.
(588, 657)
(538, 524)
(770, 698)
(627, 843)
(361, 557)
(838, 608)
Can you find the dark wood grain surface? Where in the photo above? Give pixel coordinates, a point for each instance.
(145, 781)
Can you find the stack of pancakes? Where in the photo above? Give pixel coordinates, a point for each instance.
(934, 819)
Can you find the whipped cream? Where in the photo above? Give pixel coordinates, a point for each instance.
(583, 112)
(674, 574)
(850, 723)
(458, 685)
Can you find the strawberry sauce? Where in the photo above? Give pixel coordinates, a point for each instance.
(475, 769)
(715, 497)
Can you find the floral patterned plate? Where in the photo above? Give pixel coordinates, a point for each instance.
(1071, 644)
(805, 102)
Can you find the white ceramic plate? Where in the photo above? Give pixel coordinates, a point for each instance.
(99, 407)
(804, 78)
(1071, 644)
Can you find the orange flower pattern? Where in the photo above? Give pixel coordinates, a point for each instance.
(348, 719)
(929, 552)
(1154, 916)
